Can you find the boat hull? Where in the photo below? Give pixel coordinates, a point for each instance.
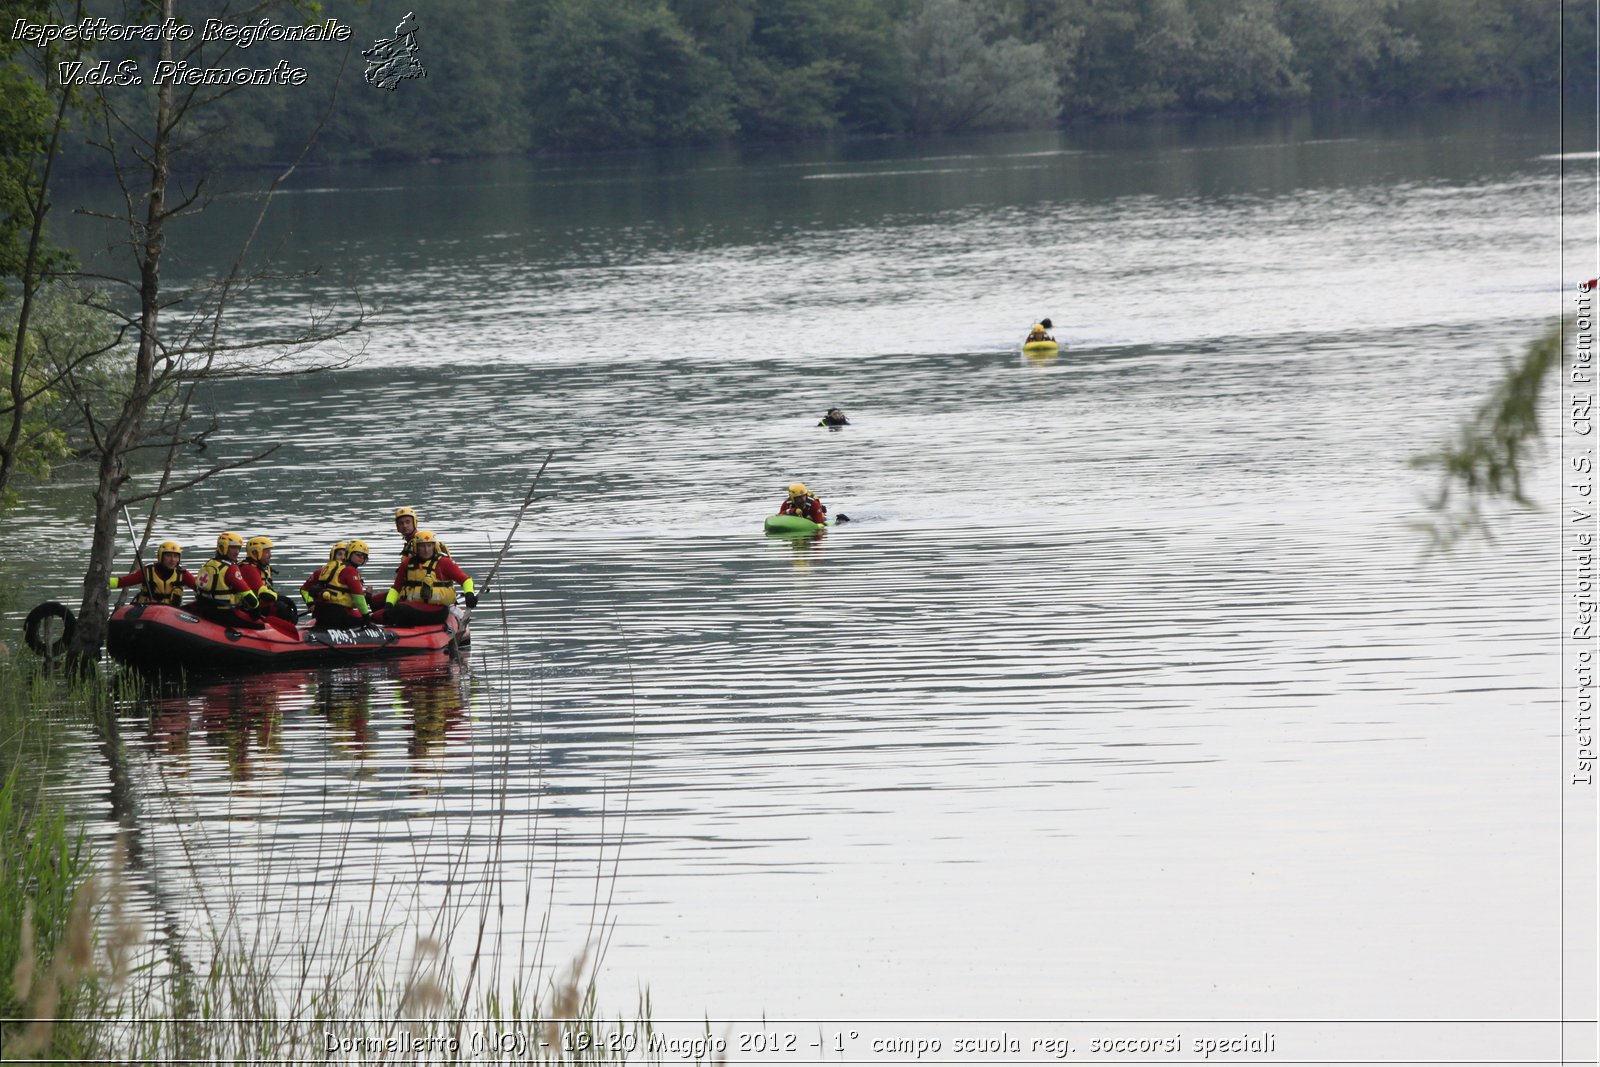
(791, 524)
(1040, 346)
(159, 636)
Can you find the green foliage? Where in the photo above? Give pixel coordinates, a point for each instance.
(26, 114)
(24, 132)
(813, 66)
(966, 71)
(1129, 56)
(1126, 55)
(506, 77)
(1342, 44)
(778, 102)
(41, 865)
(1240, 57)
(65, 330)
(1485, 466)
(32, 117)
(1409, 49)
(623, 74)
(43, 868)
(1150, 55)
(472, 102)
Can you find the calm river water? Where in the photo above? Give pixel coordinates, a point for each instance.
(1129, 694)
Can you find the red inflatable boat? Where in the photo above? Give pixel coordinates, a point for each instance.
(162, 636)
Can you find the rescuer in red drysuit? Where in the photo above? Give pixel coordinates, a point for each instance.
(162, 582)
(221, 593)
(801, 503)
(341, 599)
(405, 524)
(313, 583)
(425, 585)
(256, 571)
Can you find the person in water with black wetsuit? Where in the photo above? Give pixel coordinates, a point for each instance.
(834, 417)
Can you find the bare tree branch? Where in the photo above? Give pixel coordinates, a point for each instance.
(189, 483)
(181, 344)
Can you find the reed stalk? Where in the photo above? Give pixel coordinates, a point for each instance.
(82, 979)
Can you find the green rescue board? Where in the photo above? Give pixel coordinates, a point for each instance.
(790, 524)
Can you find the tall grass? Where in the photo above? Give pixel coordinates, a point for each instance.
(46, 889)
(84, 980)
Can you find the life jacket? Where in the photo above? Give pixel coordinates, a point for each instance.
(411, 547)
(422, 586)
(317, 581)
(211, 584)
(334, 584)
(159, 590)
(806, 507)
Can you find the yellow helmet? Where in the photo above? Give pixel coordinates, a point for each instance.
(358, 546)
(254, 546)
(338, 546)
(403, 513)
(797, 489)
(227, 540)
(425, 537)
(169, 546)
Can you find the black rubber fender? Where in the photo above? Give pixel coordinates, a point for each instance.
(33, 627)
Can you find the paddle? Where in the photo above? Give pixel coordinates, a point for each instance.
(466, 613)
(122, 594)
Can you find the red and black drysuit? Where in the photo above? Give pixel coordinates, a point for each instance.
(273, 611)
(340, 598)
(159, 585)
(222, 595)
(807, 507)
(425, 588)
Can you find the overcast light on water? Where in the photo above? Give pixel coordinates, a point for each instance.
(1129, 693)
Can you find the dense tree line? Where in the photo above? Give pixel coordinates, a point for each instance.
(540, 75)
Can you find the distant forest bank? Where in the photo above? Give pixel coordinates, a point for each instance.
(505, 77)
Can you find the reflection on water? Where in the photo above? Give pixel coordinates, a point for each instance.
(1126, 666)
(242, 721)
(804, 548)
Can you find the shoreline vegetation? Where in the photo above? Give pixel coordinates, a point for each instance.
(80, 979)
(95, 965)
(566, 156)
(578, 76)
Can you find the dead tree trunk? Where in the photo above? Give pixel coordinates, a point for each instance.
(112, 474)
